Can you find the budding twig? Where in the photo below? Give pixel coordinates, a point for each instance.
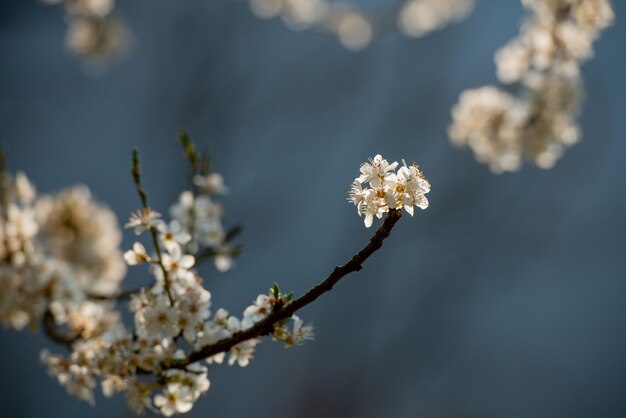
(189, 148)
(266, 325)
(136, 173)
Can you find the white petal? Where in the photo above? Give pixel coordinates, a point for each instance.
(187, 261)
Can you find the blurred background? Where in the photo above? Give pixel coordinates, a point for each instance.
(505, 298)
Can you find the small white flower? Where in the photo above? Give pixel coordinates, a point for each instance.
(376, 170)
(260, 309)
(242, 353)
(223, 261)
(175, 399)
(137, 255)
(193, 310)
(160, 318)
(177, 263)
(300, 333)
(138, 397)
(144, 219)
(174, 236)
(409, 188)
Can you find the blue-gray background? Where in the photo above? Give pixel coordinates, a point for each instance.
(504, 299)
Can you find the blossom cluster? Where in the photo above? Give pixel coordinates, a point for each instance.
(388, 189)
(55, 251)
(61, 267)
(199, 216)
(95, 31)
(171, 317)
(539, 123)
(355, 28)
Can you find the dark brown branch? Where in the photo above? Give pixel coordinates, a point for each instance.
(232, 233)
(266, 325)
(122, 295)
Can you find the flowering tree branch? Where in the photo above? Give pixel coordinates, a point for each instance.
(157, 360)
(265, 326)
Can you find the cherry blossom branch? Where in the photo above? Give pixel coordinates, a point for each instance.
(265, 326)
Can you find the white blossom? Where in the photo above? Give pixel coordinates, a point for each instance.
(175, 399)
(143, 220)
(387, 189)
(137, 255)
(260, 309)
(158, 318)
(242, 353)
(173, 237)
(375, 171)
(176, 263)
(299, 333)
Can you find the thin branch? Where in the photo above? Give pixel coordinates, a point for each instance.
(121, 295)
(136, 172)
(189, 148)
(234, 251)
(233, 233)
(266, 326)
(208, 253)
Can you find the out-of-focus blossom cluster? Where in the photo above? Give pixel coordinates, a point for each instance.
(54, 251)
(95, 31)
(539, 123)
(419, 17)
(60, 265)
(354, 27)
(382, 187)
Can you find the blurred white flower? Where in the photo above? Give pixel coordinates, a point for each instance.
(137, 255)
(143, 220)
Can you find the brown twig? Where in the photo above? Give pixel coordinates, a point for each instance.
(266, 325)
(121, 295)
(136, 173)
